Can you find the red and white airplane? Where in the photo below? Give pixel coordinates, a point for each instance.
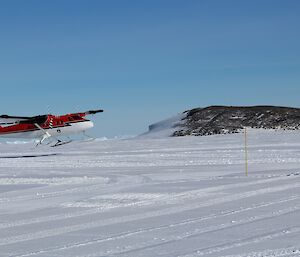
(45, 126)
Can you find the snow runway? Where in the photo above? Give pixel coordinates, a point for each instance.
(153, 197)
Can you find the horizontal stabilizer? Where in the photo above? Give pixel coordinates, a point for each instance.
(93, 112)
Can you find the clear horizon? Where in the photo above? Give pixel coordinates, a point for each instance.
(145, 61)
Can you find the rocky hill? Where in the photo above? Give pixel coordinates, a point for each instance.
(231, 119)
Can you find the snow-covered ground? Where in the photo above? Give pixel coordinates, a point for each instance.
(152, 197)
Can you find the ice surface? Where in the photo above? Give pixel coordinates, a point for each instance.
(186, 197)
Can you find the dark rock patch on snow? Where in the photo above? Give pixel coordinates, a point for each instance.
(231, 119)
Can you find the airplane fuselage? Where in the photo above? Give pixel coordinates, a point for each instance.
(73, 128)
(54, 125)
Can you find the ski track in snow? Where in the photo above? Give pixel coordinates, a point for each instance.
(185, 235)
(182, 197)
(290, 251)
(172, 210)
(97, 210)
(251, 240)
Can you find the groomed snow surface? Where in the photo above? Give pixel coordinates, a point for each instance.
(152, 197)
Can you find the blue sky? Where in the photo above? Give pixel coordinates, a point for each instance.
(143, 61)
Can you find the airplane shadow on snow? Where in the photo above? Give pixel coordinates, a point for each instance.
(28, 156)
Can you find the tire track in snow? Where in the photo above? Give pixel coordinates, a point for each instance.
(135, 217)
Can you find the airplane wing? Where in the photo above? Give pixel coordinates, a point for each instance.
(9, 120)
(6, 119)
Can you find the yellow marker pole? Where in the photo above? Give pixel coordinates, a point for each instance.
(246, 152)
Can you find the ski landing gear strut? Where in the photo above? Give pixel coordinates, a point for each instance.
(59, 142)
(48, 135)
